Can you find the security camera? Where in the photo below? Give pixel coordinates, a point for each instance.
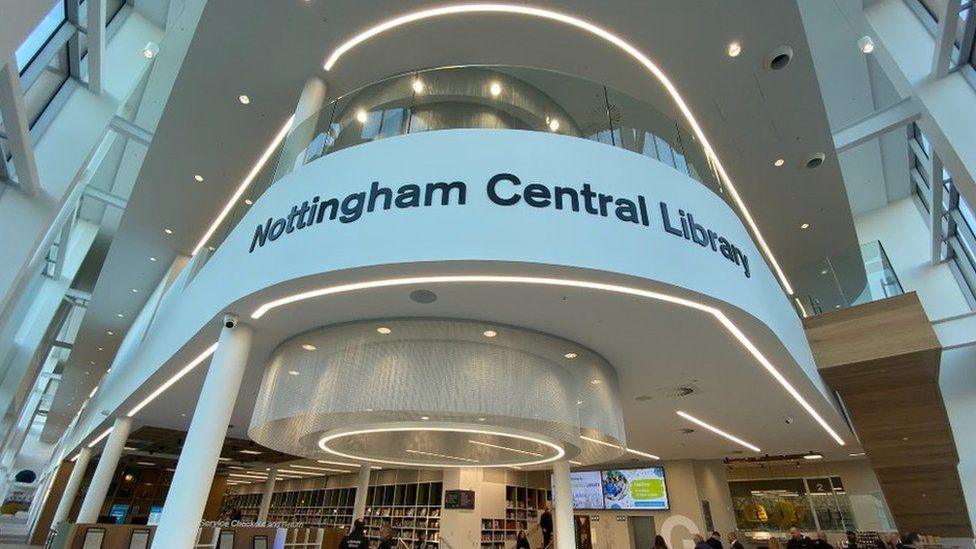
(788, 420)
(230, 320)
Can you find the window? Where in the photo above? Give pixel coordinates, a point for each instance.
(40, 36)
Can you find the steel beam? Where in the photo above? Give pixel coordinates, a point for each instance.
(95, 29)
(876, 124)
(131, 130)
(945, 39)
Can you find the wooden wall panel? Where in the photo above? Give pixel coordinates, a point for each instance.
(883, 359)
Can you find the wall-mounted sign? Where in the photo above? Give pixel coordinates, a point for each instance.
(459, 499)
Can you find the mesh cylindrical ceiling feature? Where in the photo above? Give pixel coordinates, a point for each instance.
(438, 393)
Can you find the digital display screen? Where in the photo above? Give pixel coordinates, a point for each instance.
(587, 489)
(643, 489)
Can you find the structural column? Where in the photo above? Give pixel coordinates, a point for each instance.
(362, 487)
(305, 125)
(198, 461)
(105, 471)
(266, 495)
(71, 489)
(563, 509)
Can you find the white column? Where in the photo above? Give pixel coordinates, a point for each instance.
(303, 129)
(71, 488)
(198, 461)
(104, 471)
(362, 486)
(266, 495)
(311, 100)
(563, 508)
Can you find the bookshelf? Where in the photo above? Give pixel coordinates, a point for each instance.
(523, 506)
(325, 508)
(410, 508)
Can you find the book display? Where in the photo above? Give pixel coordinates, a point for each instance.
(522, 509)
(411, 509)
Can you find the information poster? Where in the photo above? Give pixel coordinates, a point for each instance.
(587, 490)
(635, 489)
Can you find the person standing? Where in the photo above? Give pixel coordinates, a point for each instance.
(852, 540)
(798, 540)
(545, 523)
(522, 541)
(821, 542)
(357, 538)
(715, 540)
(733, 540)
(700, 542)
(387, 540)
(421, 542)
(659, 542)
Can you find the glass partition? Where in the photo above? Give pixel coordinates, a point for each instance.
(484, 97)
(859, 275)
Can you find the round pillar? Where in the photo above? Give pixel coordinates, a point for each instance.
(105, 471)
(362, 487)
(266, 495)
(563, 508)
(71, 488)
(204, 440)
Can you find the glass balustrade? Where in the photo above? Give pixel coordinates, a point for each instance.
(484, 97)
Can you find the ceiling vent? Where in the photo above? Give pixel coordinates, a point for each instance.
(679, 391)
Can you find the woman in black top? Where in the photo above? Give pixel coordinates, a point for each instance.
(521, 541)
(659, 542)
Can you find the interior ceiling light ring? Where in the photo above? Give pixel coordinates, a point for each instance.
(607, 36)
(733, 330)
(323, 443)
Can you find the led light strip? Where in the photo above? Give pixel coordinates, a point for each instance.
(186, 369)
(99, 438)
(325, 469)
(597, 441)
(498, 447)
(562, 282)
(605, 35)
(323, 444)
(642, 454)
(717, 431)
(344, 464)
(445, 456)
(255, 170)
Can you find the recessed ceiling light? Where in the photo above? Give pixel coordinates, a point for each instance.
(554, 124)
(248, 201)
(199, 178)
(865, 44)
(779, 162)
(110, 332)
(211, 248)
(369, 409)
(182, 415)
(481, 419)
(595, 382)
(293, 372)
(168, 231)
(383, 330)
(101, 348)
(734, 49)
(135, 291)
(578, 402)
(805, 226)
(425, 418)
(361, 116)
(120, 315)
(418, 86)
(823, 272)
(92, 362)
(495, 89)
(490, 333)
(152, 259)
(570, 355)
(856, 454)
(308, 347)
(813, 456)
(245, 100)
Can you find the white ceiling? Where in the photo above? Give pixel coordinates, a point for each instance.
(267, 50)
